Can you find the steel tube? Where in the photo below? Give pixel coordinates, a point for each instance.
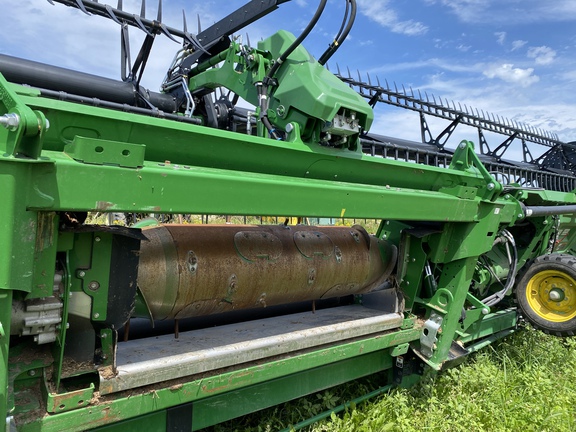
(49, 77)
(549, 210)
(188, 270)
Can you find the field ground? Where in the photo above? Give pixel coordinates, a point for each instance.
(526, 382)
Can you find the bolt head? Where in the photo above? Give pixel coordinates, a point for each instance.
(10, 121)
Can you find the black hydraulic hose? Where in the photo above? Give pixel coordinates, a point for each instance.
(263, 86)
(343, 20)
(297, 42)
(342, 35)
(263, 103)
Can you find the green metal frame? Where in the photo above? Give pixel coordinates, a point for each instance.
(94, 159)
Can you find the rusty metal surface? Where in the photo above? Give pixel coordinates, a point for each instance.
(147, 361)
(195, 270)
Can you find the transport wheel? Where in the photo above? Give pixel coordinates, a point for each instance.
(546, 294)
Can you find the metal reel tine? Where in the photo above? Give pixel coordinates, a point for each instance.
(119, 5)
(378, 81)
(195, 43)
(338, 69)
(143, 9)
(159, 19)
(51, 2)
(141, 25)
(112, 15)
(199, 24)
(349, 74)
(184, 24)
(165, 31)
(81, 6)
(248, 40)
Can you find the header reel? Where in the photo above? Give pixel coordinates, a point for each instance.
(294, 96)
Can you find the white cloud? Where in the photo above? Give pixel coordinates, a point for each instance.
(383, 14)
(507, 72)
(500, 37)
(542, 55)
(497, 11)
(517, 44)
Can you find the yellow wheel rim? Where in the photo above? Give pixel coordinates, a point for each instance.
(551, 294)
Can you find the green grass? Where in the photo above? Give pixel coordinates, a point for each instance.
(526, 382)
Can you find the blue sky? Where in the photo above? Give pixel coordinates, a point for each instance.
(513, 58)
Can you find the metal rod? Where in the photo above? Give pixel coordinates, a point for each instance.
(116, 106)
(339, 408)
(536, 211)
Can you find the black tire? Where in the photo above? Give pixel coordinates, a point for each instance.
(546, 294)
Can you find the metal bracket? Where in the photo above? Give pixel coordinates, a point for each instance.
(105, 152)
(428, 337)
(26, 128)
(465, 159)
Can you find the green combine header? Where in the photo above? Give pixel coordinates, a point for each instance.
(178, 327)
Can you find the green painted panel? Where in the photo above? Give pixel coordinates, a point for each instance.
(153, 399)
(241, 402)
(155, 421)
(184, 189)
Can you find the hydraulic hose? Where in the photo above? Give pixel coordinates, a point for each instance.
(263, 87)
(297, 42)
(513, 262)
(342, 33)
